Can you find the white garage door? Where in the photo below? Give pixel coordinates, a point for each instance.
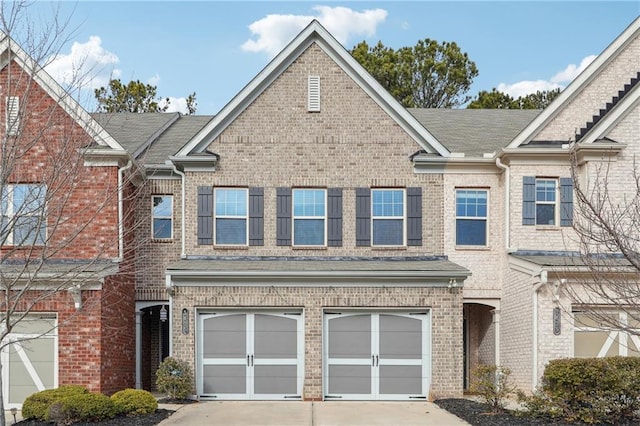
(30, 361)
(376, 355)
(595, 340)
(250, 355)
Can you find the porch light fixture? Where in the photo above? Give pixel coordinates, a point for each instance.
(76, 293)
(163, 314)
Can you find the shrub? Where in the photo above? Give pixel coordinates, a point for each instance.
(174, 378)
(37, 405)
(134, 401)
(589, 390)
(492, 384)
(82, 407)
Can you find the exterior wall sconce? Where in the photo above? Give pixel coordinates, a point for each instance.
(76, 293)
(163, 314)
(453, 283)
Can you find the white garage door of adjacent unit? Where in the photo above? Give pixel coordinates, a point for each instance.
(250, 355)
(376, 356)
(30, 359)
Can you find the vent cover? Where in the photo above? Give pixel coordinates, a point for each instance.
(313, 94)
(12, 105)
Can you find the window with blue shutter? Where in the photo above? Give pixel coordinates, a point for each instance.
(547, 201)
(566, 202)
(256, 216)
(334, 217)
(283, 213)
(205, 215)
(309, 217)
(231, 216)
(528, 200)
(387, 217)
(363, 217)
(414, 216)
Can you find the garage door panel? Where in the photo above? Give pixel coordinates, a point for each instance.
(400, 337)
(225, 379)
(225, 337)
(400, 379)
(350, 337)
(350, 379)
(275, 379)
(275, 337)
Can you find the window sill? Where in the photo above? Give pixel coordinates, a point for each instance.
(547, 228)
(231, 247)
(309, 247)
(163, 240)
(472, 248)
(386, 248)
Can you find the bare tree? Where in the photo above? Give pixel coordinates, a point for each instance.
(66, 203)
(604, 274)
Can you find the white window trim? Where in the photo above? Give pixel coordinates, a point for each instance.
(294, 218)
(245, 217)
(486, 218)
(154, 216)
(12, 215)
(403, 217)
(555, 204)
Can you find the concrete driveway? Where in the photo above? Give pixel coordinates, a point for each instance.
(283, 413)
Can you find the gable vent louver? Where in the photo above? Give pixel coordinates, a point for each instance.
(313, 94)
(12, 122)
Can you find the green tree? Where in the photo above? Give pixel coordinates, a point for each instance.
(135, 96)
(427, 75)
(499, 100)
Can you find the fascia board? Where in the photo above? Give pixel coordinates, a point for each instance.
(408, 274)
(58, 94)
(464, 165)
(314, 32)
(581, 81)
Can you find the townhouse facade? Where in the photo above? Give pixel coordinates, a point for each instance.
(317, 241)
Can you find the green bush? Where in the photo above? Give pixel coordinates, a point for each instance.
(36, 406)
(492, 384)
(134, 401)
(590, 390)
(82, 407)
(174, 378)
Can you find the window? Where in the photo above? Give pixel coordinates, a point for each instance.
(230, 216)
(12, 115)
(162, 217)
(309, 217)
(471, 217)
(24, 221)
(546, 196)
(387, 213)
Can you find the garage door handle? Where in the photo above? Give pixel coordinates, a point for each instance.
(377, 361)
(252, 360)
(373, 360)
(248, 364)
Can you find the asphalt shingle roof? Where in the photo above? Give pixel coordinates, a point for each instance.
(474, 131)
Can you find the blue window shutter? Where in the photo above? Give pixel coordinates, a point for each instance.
(414, 216)
(205, 215)
(256, 216)
(283, 213)
(528, 200)
(363, 217)
(334, 217)
(566, 202)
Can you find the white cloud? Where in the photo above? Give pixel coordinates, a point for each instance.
(175, 105)
(572, 71)
(558, 81)
(154, 80)
(273, 32)
(87, 65)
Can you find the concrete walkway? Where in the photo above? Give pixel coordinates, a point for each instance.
(284, 413)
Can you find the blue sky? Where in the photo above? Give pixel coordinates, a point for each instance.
(215, 48)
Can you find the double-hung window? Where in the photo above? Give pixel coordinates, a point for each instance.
(309, 217)
(231, 218)
(162, 223)
(546, 201)
(388, 217)
(471, 217)
(24, 221)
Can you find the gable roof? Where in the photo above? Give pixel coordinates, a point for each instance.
(55, 91)
(577, 85)
(313, 33)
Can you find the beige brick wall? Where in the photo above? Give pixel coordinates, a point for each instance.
(445, 306)
(600, 91)
(351, 143)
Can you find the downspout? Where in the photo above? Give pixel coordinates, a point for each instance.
(183, 253)
(507, 187)
(534, 338)
(169, 286)
(121, 210)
